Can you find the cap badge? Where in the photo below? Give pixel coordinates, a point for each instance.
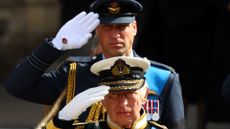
(114, 8)
(120, 68)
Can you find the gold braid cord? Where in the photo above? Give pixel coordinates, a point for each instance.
(158, 125)
(51, 110)
(69, 93)
(71, 82)
(95, 110)
(94, 114)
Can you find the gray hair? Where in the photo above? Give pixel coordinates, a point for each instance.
(143, 90)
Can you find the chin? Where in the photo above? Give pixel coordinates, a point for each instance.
(119, 53)
(126, 125)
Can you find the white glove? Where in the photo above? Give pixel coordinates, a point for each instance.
(82, 101)
(76, 32)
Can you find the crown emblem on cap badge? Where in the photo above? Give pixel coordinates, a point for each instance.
(114, 8)
(120, 68)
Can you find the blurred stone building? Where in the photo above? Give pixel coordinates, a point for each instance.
(23, 26)
(192, 37)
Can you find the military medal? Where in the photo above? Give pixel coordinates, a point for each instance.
(152, 109)
(146, 106)
(155, 114)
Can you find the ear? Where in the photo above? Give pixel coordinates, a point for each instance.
(134, 27)
(146, 95)
(103, 102)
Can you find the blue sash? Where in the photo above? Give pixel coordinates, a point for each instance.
(156, 79)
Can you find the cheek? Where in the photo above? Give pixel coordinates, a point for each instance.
(138, 103)
(108, 104)
(129, 36)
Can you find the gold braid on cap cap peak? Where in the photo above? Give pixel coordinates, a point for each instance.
(124, 85)
(122, 77)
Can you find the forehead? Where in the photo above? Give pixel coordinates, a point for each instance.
(122, 92)
(112, 24)
(123, 24)
(115, 24)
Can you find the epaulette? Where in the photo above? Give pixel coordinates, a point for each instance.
(158, 126)
(79, 59)
(162, 66)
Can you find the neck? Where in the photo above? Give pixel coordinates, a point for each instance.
(129, 55)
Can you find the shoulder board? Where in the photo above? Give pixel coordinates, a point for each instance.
(162, 66)
(79, 59)
(158, 126)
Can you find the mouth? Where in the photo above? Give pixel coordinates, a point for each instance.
(116, 44)
(124, 113)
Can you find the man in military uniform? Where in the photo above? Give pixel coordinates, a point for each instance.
(115, 27)
(123, 91)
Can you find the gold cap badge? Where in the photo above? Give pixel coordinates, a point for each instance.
(120, 68)
(114, 8)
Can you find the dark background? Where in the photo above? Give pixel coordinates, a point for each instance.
(193, 37)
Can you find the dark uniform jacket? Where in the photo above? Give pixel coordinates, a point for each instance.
(106, 123)
(29, 81)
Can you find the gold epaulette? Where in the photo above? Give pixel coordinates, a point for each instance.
(158, 125)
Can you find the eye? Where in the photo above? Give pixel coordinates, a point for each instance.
(106, 26)
(122, 26)
(113, 96)
(129, 95)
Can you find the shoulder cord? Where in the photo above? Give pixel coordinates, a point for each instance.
(71, 82)
(95, 109)
(68, 92)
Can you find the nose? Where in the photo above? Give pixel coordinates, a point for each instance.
(115, 32)
(123, 100)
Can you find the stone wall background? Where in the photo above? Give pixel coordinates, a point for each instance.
(196, 27)
(23, 26)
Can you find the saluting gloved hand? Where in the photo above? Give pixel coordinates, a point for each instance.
(76, 32)
(82, 101)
